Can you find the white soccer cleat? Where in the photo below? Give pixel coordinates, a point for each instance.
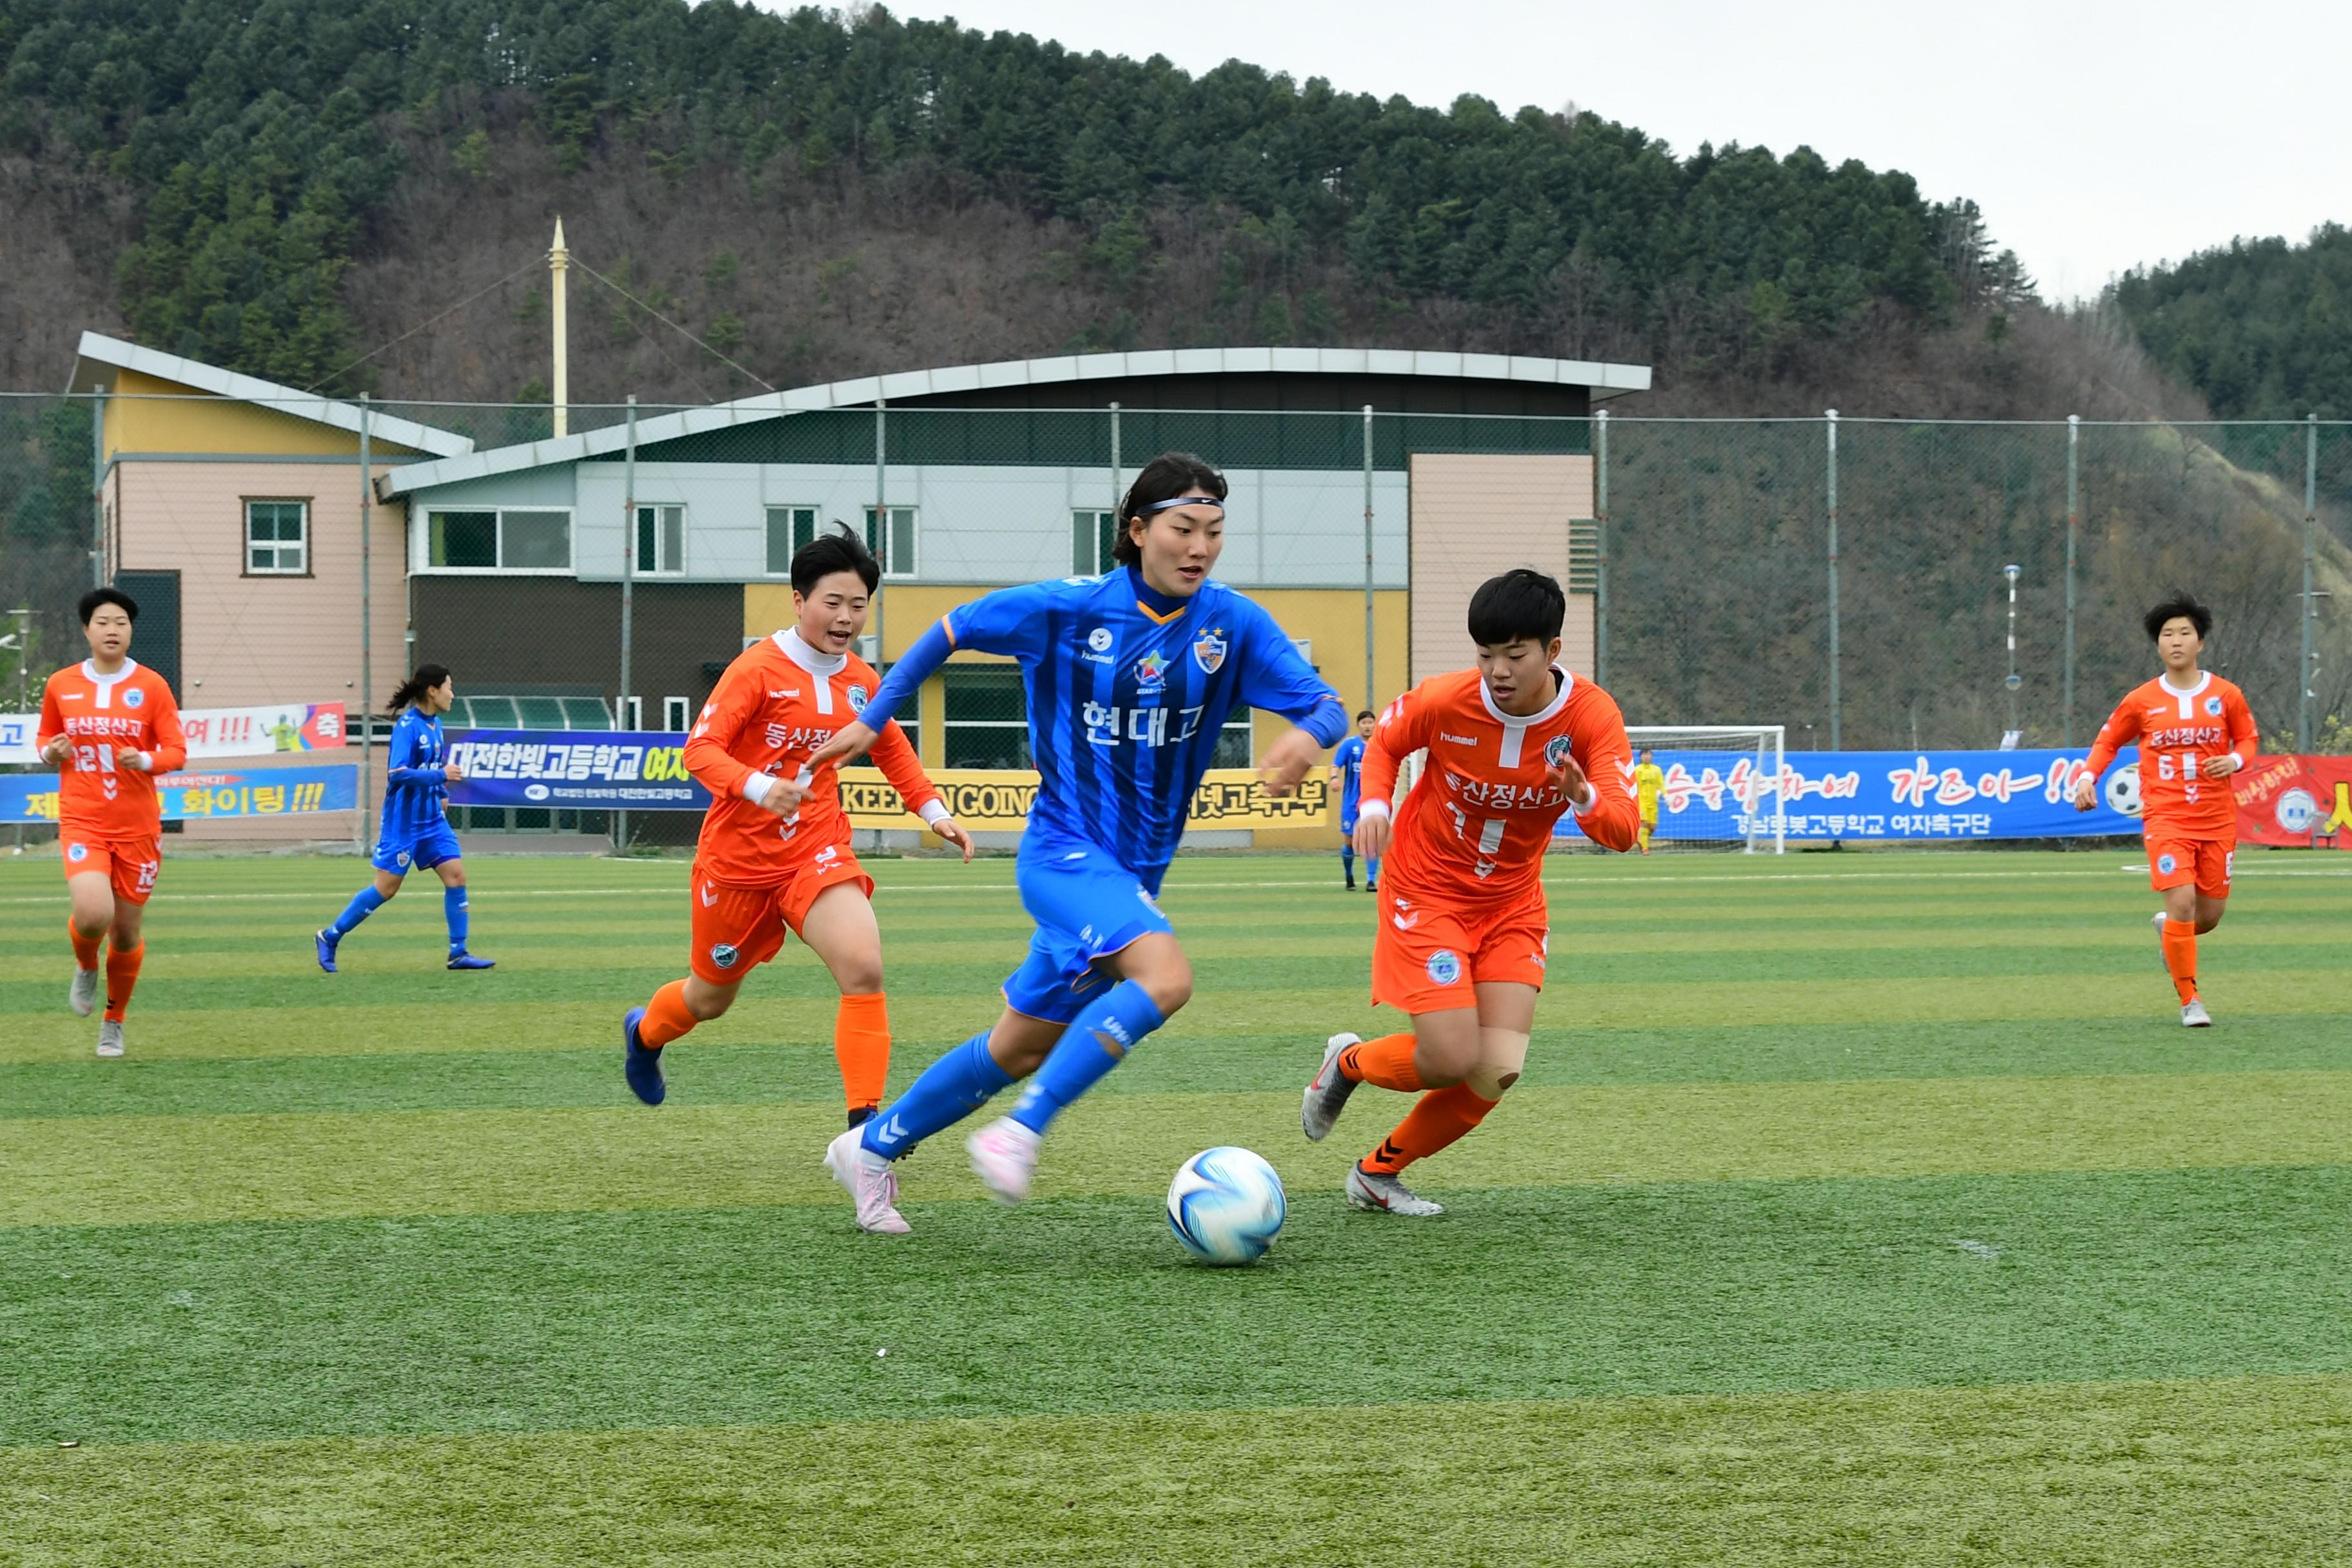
(2194, 1016)
(2157, 919)
(1327, 1094)
(109, 1037)
(82, 996)
(872, 1181)
(1004, 1157)
(1386, 1193)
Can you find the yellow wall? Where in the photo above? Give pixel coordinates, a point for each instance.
(193, 422)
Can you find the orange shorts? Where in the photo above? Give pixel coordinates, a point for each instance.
(736, 930)
(1426, 957)
(129, 864)
(2175, 862)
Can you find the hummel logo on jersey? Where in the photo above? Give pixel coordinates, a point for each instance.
(1406, 922)
(1457, 740)
(71, 696)
(788, 692)
(709, 898)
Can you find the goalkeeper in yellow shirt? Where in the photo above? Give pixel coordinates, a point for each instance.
(1649, 780)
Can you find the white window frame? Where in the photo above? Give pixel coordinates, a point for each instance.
(792, 513)
(660, 568)
(894, 569)
(1087, 557)
(425, 567)
(677, 715)
(634, 709)
(275, 546)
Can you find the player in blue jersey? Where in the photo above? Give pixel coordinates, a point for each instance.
(416, 832)
(1347, 778)
(1130, 676)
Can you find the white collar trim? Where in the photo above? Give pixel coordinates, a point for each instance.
(796, 648)
(107, 683)
(1518, 721)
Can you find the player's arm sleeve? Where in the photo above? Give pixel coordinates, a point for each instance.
(895, 754)
(2122, 727)
(1274, 677)
(2244, 739)
(1009, 621)
(170, 748)
(708, 754)
(1612, 816)
(53, 718)
(1402, 730)
(407, 743)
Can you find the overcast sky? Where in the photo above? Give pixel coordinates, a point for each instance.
(2095, 135)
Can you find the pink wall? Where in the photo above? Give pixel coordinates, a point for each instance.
(1475, 517)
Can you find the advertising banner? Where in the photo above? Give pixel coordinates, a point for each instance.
(2292, 802)
(585, 770)
(1915, 795)
(998, 801)
(215, 734)
(191, 795)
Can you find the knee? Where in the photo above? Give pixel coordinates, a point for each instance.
(1487, 1083)
(1443, 1063)
(708, 1005)
(1168, 981)
(454, 877)
(385, 886)
(90, 928)
(859, 974)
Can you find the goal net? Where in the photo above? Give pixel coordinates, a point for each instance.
(1721, 786)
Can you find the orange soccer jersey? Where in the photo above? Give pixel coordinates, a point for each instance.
(2179, 731)
(105, 716)
(776, 705)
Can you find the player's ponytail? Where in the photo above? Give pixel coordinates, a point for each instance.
(1168, 476)
(426, 678)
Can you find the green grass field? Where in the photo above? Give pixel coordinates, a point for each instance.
(1861, 1208)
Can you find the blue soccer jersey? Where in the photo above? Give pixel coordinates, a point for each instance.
(1349, 760)
(415, 787)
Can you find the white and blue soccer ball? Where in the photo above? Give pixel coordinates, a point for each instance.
(1226, 1206)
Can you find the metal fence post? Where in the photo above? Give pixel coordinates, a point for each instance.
(1117, 522)
(1600, 549)
(628, 596)
(2307, 732)
(367, 621)
(2073, 532)
(1371, 692)
(1837, 743)
(98, 490)
(882, 531)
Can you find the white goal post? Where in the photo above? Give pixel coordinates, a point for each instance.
(1722, 785)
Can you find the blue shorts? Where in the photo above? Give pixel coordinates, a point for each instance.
(421, 854)
(1085, 905)
(1347, 822)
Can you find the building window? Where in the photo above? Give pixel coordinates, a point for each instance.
(1233, 741)
(789, 528)
(676, 711)
(661, 538)
(516, 541)
(1090, 542)
(897, 552)
(277, 538)
(986, 724)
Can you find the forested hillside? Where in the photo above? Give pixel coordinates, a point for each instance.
(2263, 328)
(284, 186)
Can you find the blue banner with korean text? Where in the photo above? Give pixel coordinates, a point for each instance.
(1931, 797)
(589, 769)
(193, 795)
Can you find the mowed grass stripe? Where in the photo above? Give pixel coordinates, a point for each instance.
(719, 1317)
(180, 1169)
(2131, 1474)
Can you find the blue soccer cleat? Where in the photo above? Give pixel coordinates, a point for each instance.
(639, 1064)
(323, 943)
(467, 961)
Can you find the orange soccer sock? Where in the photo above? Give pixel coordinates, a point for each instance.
(1386, 1061)
(861, 1044)
(1439, 1118)
(2180, 957)
(85, 947)
(121, 978)
(665, 1017)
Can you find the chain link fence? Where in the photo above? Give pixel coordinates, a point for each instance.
(1868, 583)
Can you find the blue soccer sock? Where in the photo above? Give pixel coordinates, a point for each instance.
(1092, 1045)
(950, 1088)
(1348, 860)
(453, 905)
(365, 902)
(1371, 870)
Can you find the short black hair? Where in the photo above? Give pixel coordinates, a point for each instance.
(829, 553)
(1364, 715)
(1521, 603)
(1166, 476)
(2176, 603)
(97, 599)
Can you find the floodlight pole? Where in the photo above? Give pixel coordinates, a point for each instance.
(2074, 533)
(628, 596)
(1371, 699)
(2306, 735)
(1836, 733)
(881, 530)
(2013, 682)
(1600, 549)
(559, 264)
(367, 624)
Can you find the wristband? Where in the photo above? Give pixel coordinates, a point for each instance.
(933, 812)
(754, 788)
(1379, 808)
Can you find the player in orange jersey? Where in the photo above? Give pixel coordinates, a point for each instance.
(109, 724)
(1463, 933)
(2194, 730)
(774, 852)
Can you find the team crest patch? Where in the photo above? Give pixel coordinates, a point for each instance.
(2166, 865)
(1152, 673)
(1209, 650)
(1556, 750)
(857, 699)
(76, 853)
(2212, 706)
(1444, 966)
(401, 858)
(134, 697)
(723, 954)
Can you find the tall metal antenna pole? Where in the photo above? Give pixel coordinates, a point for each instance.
(559, 264)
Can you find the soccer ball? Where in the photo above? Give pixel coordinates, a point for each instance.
(1226, 1206)
(2123, 790)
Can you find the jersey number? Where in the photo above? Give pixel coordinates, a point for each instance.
(2164, 765)
(1490, 832)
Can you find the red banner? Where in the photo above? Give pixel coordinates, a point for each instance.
(2295, 802)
